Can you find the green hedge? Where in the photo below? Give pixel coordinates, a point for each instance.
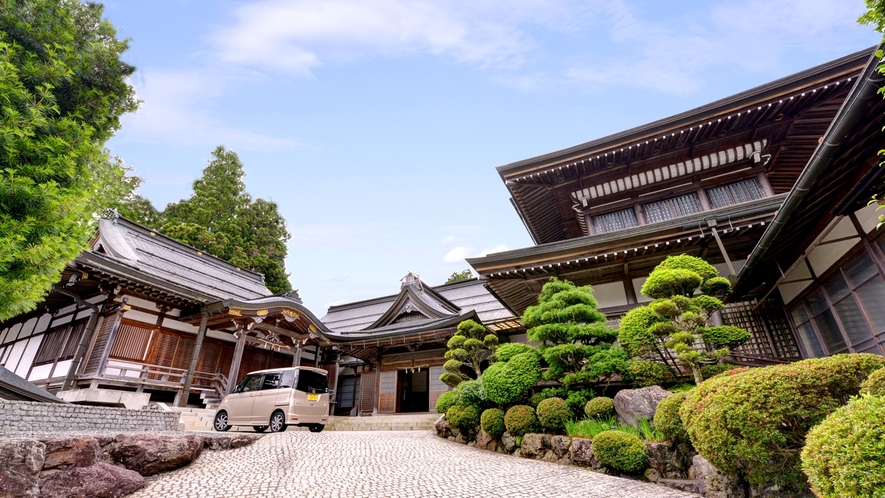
(621, 451)
(508, 350)
(552, 413)
(492, 421)
(667, 418)
(446, 400)
(753, 424)
(471, 393)
(508, 382)
(845, 454)
(600, 408)
(875, 383)
(520, 419)
(463, 417)
(645, 373)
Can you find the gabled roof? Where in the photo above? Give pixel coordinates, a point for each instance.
(123, 249)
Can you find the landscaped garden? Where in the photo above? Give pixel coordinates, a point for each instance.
(678, 413)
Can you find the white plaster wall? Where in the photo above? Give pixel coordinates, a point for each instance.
(637, 288)
(27, 358)
(868, 217)
(825, 255)
(40, 372)
(791, 290)
(609, 295)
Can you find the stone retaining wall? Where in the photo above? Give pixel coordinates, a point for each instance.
(33, 417)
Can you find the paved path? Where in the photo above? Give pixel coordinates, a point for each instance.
(383, 464)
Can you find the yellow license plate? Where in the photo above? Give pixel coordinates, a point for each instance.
(313, 397)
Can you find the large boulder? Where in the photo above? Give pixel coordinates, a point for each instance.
(149, 454)
(560, 445)
(66, 452)
(535, 446)
(443, 427)
(714, 484)
(20, 464)
(668, 461)
(101, 480)
(633, 404)
(581, 453)
(485, 441)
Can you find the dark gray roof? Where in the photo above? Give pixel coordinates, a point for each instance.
(133, 251)
(13, 387)
(468, 295)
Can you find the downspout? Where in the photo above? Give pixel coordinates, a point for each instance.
(846, 119)
(84, 340)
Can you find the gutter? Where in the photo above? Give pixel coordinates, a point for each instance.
(844, 121)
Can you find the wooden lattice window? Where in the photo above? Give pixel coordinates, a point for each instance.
(672, 208)
(735, 193)
(618, 220)
(131, 341)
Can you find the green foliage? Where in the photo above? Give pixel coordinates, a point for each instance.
(635, 334)
(552, 413)
(446, 400)
(600, 408)
(470, 393)
(875, 384)
(753, 424)
(492, 421)
(667, 283)
(621, 451)
(875, 15)
(718, 286)
(459, 276)
(576, 400)
(520, 419)
(510, 349)
(548, 392)
(463, 417)
(508, 382)
(644, 373)
(590, 427)
(64, 89)
(470, 344)
(725, 336)
(709, 371)
(220, 218)
(845, 454)
(667, 418)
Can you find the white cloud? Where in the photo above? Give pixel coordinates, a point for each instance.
(457, 254)
(497, 248)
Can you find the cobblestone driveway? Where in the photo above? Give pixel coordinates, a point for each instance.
(382, 464)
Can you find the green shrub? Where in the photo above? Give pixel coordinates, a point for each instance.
(644, 373)
(446, 400)
(548, 392)
(634, 334)
(709, 371)
(520, 419)
(576, 401)
(492, 421)
(845, 454)
(621, 451)
(875, 383)
(600, 408)
(685, 262)
(725, 336)
(463, 417)
(507, 382)
(471, 393)
(552, 413)
(508, 350)
(667, 418)
(753, 424)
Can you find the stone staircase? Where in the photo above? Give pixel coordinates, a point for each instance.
(200, 419)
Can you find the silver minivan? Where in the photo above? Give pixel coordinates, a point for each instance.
(276, 399)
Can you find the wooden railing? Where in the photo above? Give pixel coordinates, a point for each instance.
(164, 376)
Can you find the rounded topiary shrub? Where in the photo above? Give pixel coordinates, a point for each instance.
(753, 424)
(552, 413)
(507, 382)
(600, 408)
(520, 419)
(463, 417)
(645, 373)
(446, 400)
(845, 454)
(471, 393)
(492, 421)
(508, 350)
(875, 383)
(667, 418)
(621, 451)
(548, 392)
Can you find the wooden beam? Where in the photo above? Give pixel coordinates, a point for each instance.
(237, 359)
(189, 378)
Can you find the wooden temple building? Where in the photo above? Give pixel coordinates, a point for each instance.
(143, 314)
(769, 185)
(393, 347)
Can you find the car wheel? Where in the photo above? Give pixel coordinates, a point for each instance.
(316, 427)
(277, 422)
(259, 428)
(220, 423)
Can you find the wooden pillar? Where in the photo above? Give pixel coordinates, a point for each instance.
(113, 335)
(377, 393)
(296, 359)
(189, 378)
(316, 357)
(731, 272)
(237, 359)
(85, 339)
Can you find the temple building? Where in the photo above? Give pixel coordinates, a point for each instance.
(769, 185)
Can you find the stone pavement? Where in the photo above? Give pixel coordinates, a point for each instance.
(383, 464)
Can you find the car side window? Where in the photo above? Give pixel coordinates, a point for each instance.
(271, 381)
(249, 383)
(312, 382)
(288, 379)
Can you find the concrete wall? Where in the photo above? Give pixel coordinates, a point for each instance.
(32, 417)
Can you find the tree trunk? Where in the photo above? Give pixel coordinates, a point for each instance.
(696, 371)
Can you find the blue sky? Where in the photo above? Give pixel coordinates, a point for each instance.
(376, 125)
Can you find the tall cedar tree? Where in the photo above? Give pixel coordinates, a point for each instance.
(575, 342)
(677, 318)
(468, 347)
(63, 89)
(221, 219)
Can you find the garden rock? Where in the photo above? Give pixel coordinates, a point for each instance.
(443, 428)
(712, 483)
(581, 454)
(149, 453)
(633, 404)
(560, 445)
(550, 457)
(66, 452)
(535, 445)
(509, 442)
(230, 442)
(101, 480)
(484, 441)
(20, 464)
(668, 462)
